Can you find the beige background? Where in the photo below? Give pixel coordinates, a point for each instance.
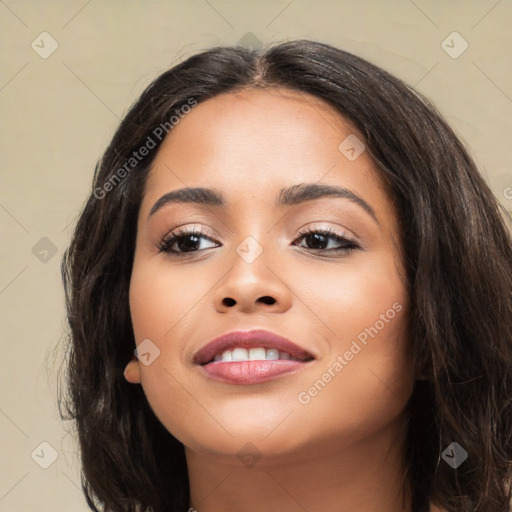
(59, 112)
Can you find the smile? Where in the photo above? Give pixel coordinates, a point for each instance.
(251, 357)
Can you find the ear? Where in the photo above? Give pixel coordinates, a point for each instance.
(132, 371)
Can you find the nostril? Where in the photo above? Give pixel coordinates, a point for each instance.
(267, 300)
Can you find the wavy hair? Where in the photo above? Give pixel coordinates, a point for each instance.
(458, 271)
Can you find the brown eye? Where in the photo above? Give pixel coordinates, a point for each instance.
(319, 239)
(182, 242)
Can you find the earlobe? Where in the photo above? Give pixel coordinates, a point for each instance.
(132, 371)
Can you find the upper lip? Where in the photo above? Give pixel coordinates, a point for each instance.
(249, 339)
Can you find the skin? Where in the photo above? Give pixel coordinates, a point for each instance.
(343, 449)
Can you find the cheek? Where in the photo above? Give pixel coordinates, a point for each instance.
(162, 309)
(366, 376)
(352, 295)
(162, 299)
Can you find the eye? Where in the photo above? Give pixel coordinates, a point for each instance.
(185, 240)
(320, 238)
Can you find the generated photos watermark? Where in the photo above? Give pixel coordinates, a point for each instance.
(144, 150)
(357, 345)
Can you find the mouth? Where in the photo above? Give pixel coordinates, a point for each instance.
(250, 357)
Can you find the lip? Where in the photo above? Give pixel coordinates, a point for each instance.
(250, 372)
(249, 339)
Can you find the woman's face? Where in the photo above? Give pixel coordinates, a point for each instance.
(251, 266)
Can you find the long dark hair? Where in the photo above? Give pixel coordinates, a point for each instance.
(457, 260)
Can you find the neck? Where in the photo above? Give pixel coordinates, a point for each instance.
(366, 476)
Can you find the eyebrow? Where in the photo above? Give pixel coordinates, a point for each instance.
(288, 196)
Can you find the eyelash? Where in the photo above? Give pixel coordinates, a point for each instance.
(165, 244)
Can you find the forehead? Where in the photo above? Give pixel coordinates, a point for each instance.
(252, 143)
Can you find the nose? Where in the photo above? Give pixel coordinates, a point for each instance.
(252, 286)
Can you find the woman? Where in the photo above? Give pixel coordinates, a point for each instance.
(290, 289)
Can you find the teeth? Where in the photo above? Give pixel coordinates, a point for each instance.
(272, 353)
(227, 356)
(253, 354)
(240, 354)
(256, 354)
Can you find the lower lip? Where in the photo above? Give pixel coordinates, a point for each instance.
(251, 372)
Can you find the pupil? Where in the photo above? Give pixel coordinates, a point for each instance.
(318, 238)
(183, 245)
